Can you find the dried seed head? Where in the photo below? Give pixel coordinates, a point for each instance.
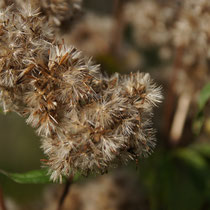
(87, 122)
(152, 21)
(91, 34)
(55, 11)
(24, 38)
(115, 127)
(58, 11)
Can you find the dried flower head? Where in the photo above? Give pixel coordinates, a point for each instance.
(110, 128)
(56, 11)
(175, 26)
(191, 31)
(24, 39)
(87, 122)
(152, 21)
(191, 37)
(91, 34)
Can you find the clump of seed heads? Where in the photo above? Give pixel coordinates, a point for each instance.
(87, 122)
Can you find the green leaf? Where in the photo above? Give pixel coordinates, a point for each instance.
(192, 158)
(40, 176)
(32, 177)
(198, 123)
(202, 100)
(204, 96)
(202, 148)
(172, 183)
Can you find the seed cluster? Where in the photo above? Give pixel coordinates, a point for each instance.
(55, 11)
(179, 32)
(88, 122)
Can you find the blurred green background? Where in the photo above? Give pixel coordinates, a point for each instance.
(174, 177)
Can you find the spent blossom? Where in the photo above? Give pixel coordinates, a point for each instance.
(87, 122)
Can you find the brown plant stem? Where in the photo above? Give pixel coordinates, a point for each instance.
(5, 2)
(118, 26)
(2, 204)
(8, 2)
(65, 192)
(170, 95)
(180, 118)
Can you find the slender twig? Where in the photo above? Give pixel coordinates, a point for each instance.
(2, 204)
(118, 26)
(65, 192)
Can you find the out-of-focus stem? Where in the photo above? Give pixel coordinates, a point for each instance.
(180, 118)
(2, 204)
(5, 2)
(65, 192)
(118, 26)
(8, 2)
(170, 96)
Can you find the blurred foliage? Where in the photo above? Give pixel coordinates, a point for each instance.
(178, 179)
(204, 96)
(40, 176)
(19, 192)
(31, 177)
(172, 178)
(202, 101)
(19, 152)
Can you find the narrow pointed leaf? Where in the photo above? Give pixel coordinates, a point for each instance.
(32, 177)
